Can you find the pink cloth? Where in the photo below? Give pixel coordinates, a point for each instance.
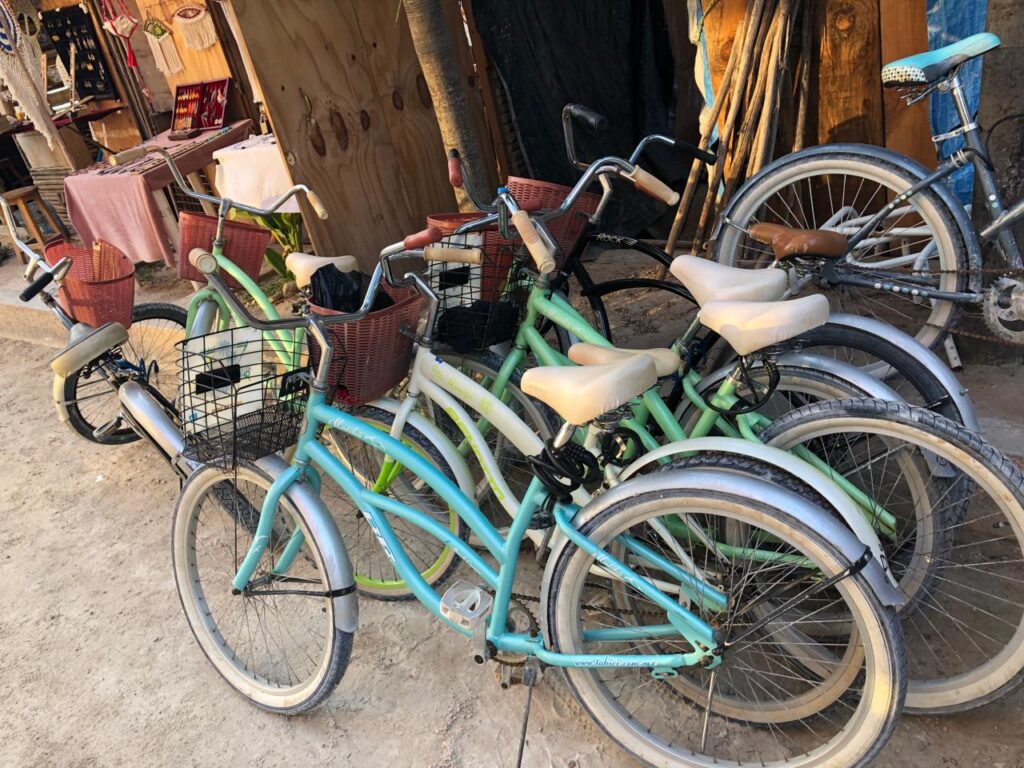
(116, 204)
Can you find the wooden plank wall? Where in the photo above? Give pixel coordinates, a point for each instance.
(367, 142)
(904, 32)
(207, 64)
(852, 40)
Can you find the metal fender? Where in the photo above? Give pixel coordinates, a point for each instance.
(941, 190)
(463, 477)
(787, 502)
(332, 546)
(58, 399)
(942, 372)
(785, 461)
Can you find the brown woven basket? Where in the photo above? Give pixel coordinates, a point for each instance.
(100, 287)
(371, 357)
(244, 244)
(544, 195)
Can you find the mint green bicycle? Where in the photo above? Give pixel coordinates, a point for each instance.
(685, 608)
(925, 489)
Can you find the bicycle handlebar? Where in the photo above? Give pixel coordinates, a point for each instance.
(36, 286)
(135, 153)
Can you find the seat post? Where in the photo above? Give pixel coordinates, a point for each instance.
(956, 90)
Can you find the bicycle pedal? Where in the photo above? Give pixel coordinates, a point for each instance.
(466, 604)
(107, 429)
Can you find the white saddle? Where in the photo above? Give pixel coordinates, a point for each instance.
(709, 281)
(666, 362)
(303, 265)
(581, 394)
(751, 325)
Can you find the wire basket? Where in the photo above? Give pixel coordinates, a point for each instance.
(544, 195)
(479, 304)
(375, 354)
(238, 401)
(100, 286)
(244, 243)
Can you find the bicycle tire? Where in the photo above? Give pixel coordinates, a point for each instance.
(883, 657)
(788, 173)
(990, 527)
(78, 388)
(201, 605)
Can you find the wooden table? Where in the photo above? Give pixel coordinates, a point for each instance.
(126, 206)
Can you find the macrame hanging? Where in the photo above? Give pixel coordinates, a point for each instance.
(161, 43)
(196, 26)
(15, 69)
(120, 23)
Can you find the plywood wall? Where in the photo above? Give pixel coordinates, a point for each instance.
(352, 115)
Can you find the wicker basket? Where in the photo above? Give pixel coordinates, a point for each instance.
(100, 287)
(543, 195)
(244, 244)
(371, 356)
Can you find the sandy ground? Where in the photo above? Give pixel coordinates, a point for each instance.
(98, 667)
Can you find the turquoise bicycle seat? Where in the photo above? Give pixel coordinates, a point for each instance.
(925, 68)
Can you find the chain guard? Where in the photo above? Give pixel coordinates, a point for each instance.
(1003, 309)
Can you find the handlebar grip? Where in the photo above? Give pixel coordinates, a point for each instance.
(453, 255)
(127, 155)
(203, 260)
(318, 207)
(423, 238)
(588, 117)
(455, 169)
(653, 186)
(36, 286)
(543, 256)
(708, 158)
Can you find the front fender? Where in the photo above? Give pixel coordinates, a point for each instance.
(324, 530)
(58, 399)
(787, 462)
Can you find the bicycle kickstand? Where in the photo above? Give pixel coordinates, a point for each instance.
(531, 675)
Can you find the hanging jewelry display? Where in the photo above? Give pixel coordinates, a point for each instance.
(196, 26)
(161, 43)
(120, 23)
(72, 26)
(15, 69)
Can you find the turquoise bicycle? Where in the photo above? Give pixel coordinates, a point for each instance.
(641, 619)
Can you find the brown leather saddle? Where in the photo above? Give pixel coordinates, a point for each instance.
(788, 243)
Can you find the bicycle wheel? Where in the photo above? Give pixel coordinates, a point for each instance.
(374, 574)
(965, 627)
(281, 650)
(625, 299)
(782, 695)
(90, 394)
(918, 245)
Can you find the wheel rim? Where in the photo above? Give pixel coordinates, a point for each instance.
(787, 730)
(965, 632)
(829, 194)
(274, 649)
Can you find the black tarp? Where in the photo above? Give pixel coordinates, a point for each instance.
(613, 56)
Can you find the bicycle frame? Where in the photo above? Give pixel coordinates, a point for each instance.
(544, 304)
(447, 386)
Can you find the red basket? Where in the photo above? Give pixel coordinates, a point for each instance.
(244, 244)
(544, 195)
(371, 356)
(100, 287)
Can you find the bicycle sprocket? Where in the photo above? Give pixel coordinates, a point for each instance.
(1003, 309)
